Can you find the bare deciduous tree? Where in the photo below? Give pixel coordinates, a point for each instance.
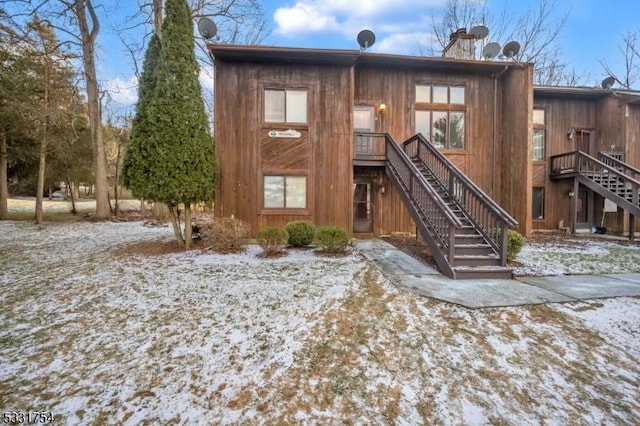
(629, 75)
(537, 30)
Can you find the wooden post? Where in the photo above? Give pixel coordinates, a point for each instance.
(574, 206)
(632, 227)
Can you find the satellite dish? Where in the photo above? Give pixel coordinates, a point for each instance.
(366, 39)
(207, 28)
(608, 82)
(491, 50)
(511, 49)
(479, 31)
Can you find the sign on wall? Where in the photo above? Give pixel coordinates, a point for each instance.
(284, 133)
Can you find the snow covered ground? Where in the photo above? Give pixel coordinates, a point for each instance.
(97, 334)
(27, 204)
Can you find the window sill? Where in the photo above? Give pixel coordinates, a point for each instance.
(281, 212)
(292, 126)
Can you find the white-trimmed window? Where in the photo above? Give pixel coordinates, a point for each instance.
(285, 192)
(440, 115)
(285, 106)
(539, 134)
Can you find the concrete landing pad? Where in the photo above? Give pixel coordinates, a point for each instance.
(409, 273)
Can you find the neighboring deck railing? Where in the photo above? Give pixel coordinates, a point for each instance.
(579, 163)
(617, 163)
(486, 215)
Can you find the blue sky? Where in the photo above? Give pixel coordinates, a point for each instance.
(593, 31)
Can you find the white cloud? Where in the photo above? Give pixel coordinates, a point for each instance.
(404, 43)
(123, 92)
(347, 16)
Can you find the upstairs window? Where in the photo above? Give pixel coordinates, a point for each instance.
(539, 135)
(285, 106)
(440, 115)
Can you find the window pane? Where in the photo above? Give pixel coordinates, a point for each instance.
(296, 192)
(538, 144)
(296, 106)
(538, 116)
(363, 119)
(457, 95)
(456, 130)
(423, 123)
(439, 126)
(274, 106)
(274, 192)
(538, 203)
(423, 93)
(440, 94)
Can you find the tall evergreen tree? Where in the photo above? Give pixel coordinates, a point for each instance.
(171, 159)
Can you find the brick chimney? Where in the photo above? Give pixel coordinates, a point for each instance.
(461, 45)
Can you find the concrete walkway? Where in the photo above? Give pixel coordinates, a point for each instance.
(406, 272)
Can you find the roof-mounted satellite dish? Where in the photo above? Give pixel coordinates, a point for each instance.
(207, 28)
(491, 50)
(366, 39)
(511, 49)
(479, 31)
(608, 82)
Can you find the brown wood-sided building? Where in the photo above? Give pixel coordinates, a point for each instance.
(286, 121)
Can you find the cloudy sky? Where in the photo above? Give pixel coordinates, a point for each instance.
(593, 31)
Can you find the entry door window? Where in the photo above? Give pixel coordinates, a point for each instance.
(364, 122)
(362, 207)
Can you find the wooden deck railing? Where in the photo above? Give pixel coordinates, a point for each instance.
(369, 146)
(617, 163)
(430, 212)
(487, 216)
(578, 162)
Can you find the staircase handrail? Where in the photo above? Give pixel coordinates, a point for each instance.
(491, 220)
(475, 189)
(614, 162)
(430, 212)
(580, 155)
(584, 163)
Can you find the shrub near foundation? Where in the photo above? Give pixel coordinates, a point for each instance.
(301, 233)
(272, 240)
(332, 239)
(225, 234)
(515, 243)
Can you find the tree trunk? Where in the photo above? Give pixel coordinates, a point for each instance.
(160, 212)
(75, 189)
(41, 169)
(4, 182)
(116, 210)
(173, 212)
(187, 226)
(157, 17)
(103, 209)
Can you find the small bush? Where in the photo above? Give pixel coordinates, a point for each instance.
(301, 233)
(272, 240)
(516, 241)
(225, 234)
(332, 239)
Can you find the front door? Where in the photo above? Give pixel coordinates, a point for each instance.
(583, 142)
(364, 122)
(362, 206)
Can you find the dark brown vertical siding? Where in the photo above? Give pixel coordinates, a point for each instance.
(515, 146)
(246, 152)
(480, 160)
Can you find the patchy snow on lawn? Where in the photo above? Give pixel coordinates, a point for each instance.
(98, 335)
(28, 204)
(577, 256)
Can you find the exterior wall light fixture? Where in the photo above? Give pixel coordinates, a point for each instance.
(382, 108)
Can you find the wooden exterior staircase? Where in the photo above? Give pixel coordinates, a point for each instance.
(605, 175)
(465, 230)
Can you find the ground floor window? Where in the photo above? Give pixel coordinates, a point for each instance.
(538, 203)
(285, 192)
